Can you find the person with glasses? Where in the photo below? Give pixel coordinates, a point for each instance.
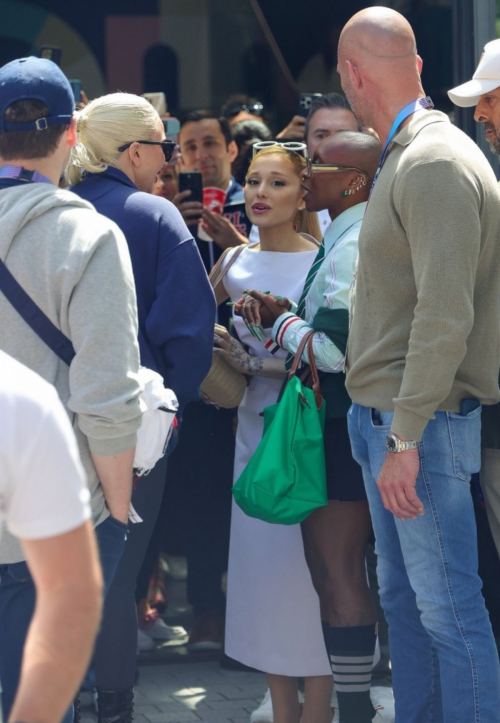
(338, 177)
(242, 107)
(121, 149)
(268, 581)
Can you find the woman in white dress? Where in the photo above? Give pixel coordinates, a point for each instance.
(273, 621)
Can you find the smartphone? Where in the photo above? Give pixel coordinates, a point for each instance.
(51, 52)
(76, 87)
(305, 102)
(193, 183)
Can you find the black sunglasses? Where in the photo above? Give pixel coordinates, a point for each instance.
(253, 108)
(168, 147)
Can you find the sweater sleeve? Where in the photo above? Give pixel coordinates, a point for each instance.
(102, 316)
(181, 319)
(439, 207)
(331, 320)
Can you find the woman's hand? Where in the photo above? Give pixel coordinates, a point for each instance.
(223, 232)
(257, 308)
(233, 352)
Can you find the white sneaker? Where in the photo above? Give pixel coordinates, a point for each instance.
(143, 642)
(383, 702)
(159, 630)
(264, 713)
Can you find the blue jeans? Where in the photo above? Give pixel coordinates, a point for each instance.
(445, 665)
(17, 603)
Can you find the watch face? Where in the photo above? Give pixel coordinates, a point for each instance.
(391, 444)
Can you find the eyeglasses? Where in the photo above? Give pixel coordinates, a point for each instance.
(168, 147)
(293, 146)
(253, 108)
(330, 168)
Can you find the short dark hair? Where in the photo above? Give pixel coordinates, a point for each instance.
(330, 101)
(29, 144)
(196, 116)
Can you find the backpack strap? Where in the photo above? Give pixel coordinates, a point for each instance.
(35, 317)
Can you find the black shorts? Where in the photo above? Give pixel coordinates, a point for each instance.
(344, 479)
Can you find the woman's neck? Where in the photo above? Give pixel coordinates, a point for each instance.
(281, 238)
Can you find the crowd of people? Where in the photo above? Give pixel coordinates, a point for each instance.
(359, 244)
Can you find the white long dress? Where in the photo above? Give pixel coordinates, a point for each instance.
(273, 618)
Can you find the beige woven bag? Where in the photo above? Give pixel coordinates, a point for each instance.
(223, 385)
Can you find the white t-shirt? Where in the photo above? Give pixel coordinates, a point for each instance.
(43, 490)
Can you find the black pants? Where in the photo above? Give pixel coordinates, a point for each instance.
(204, 461)
(116, 648)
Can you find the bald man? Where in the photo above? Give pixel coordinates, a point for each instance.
(422, 359)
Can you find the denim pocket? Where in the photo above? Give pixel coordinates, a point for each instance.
(19, 572)
(465, 437)
(381, 420)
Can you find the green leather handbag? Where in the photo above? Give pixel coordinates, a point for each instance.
(285, 479)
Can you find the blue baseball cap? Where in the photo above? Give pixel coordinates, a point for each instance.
(36, 79)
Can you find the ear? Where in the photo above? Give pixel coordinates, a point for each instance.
(354, 74)
(420, 64)
(72, 135)
(233, 150)
(355, 180)
(134, 154)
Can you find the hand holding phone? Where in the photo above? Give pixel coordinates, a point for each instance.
(189, 200)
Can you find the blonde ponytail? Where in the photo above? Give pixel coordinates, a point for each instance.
(103, 126)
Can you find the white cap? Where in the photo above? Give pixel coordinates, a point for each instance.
(485, 79)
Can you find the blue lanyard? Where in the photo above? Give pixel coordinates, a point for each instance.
(408, 110)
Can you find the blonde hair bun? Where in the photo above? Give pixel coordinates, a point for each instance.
(105, 124)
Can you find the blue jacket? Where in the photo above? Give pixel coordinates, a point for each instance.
(174, 298)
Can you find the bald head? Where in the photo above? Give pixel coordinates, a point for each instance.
(350, 148)
(379, 32)
(379, 67)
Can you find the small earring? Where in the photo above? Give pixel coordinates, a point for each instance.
(344, 194)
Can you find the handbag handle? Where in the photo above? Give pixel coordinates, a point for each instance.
(307, 340)
(218, 273)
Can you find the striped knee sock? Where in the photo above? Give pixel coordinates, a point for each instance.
(351, 655)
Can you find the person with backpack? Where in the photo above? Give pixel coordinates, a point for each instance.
(69, 312)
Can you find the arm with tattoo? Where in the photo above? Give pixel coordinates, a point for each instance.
(236, 356)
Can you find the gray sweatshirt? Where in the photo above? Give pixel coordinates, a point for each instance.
(75, 265)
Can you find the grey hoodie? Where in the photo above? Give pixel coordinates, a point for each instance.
(75, 265)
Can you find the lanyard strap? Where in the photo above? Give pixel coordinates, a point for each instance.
(404, 113)
(21, 174)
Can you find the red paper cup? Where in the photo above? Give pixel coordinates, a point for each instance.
(213, 199)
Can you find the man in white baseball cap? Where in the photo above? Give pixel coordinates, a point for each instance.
(483, 91)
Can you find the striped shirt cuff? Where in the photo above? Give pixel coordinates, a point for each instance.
(280, 326)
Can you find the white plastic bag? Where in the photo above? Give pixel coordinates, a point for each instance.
(159, 407)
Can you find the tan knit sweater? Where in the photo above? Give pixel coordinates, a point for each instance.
(426, 330)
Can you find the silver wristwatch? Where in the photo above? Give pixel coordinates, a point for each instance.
(395, 445)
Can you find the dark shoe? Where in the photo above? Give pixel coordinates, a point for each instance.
(115, 706)
(207, 632)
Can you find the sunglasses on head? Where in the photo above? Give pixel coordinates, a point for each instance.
(293, 146)
(253, 108)
(168, 147)
(313, 167)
